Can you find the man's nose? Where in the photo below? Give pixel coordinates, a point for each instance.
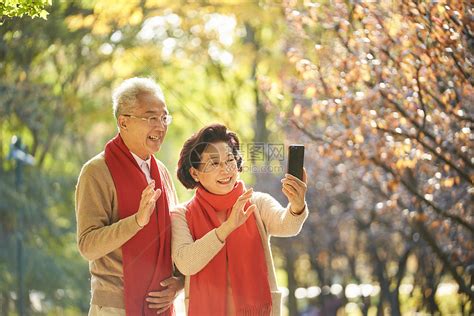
(161, 126)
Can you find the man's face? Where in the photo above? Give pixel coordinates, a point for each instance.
(141, 137)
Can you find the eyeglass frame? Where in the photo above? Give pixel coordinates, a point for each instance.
(229, 163)
(163, 119)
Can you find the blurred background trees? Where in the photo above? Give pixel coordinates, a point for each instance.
(19, 8)
(379, 92)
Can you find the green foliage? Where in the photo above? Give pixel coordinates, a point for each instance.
(18, 8)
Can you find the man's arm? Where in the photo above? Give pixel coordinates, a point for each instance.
(97, 235)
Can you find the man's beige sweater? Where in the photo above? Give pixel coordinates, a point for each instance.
(191, 256)
(100, 233)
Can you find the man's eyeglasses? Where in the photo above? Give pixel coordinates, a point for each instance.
(164, 120)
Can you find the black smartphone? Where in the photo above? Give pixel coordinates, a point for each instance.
(296, 160)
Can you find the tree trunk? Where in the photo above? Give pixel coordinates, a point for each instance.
(365, 305)
(395, 303)
(394, 298)
(432, 284)
(261, 132)
(5, 303)
(290, 259)
(379, 268)
(380, 305)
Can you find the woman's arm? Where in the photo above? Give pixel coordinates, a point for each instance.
(278, 220)
(191, 256)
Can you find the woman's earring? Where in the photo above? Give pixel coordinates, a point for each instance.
(196, 179)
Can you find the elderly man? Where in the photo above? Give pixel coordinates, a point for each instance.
(123, 199)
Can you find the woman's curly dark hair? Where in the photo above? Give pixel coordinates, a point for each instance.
(190, 155)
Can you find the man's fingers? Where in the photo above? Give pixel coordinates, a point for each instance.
(149, 188)
(160, 296)
(153, 194)
(164, 293)
(146, 198)
(157, 194)
(152, 197)
(161, 310)
(159, 301)
(160, 306)
(168, 281)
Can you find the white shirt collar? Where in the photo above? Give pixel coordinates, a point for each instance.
(140, 161)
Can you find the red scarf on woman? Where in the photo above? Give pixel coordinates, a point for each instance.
(242, 257)
(147, 255)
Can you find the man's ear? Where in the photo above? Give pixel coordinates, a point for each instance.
(122, 122)
(194, 173)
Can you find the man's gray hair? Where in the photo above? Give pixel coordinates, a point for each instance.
(125, 96)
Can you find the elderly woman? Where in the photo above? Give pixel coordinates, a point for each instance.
(220, 238)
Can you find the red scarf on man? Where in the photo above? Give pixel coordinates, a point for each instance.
(147, 255)
(242, 257)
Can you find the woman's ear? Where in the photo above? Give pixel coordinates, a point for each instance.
(194, 173)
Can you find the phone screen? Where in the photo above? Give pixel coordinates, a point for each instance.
(296, 160)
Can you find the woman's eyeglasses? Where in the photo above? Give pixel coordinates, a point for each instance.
(211, 165)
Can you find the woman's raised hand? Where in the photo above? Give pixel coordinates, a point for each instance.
(237, 216)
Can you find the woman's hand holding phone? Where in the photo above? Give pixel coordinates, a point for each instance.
(295, 190)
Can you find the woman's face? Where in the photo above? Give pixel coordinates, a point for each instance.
(217, 171)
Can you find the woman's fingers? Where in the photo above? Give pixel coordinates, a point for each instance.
(239, 215)
(297, 182)
(245, 214)
(250, 210)
(295, 190)
(247, 194)
(295, 185)
(243, 199)
(292, 184)
(289, 193)
(291, 187)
